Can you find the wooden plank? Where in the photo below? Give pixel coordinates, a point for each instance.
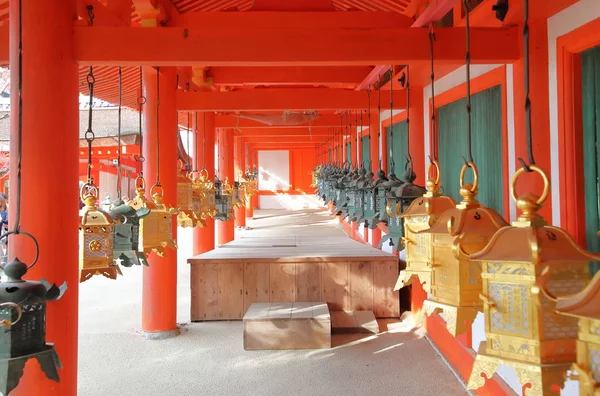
(302, 310)
(386, 303)
(335, 286)
(282, 282)
(204, 292)
(361, 285)
(308, 282)
(256, 283)
(354, 322)
(231, 285)
(287, 334)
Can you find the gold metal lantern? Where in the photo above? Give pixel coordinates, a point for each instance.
(585, 306)
(455, 279)
(96, 238)
(524, 268)
(203, 198)
(421, 215)
(187, 216)
(156, 231)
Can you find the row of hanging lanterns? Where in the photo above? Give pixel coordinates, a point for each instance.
(529, 279)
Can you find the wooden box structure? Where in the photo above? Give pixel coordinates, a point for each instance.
(345, 274)
(299, 325)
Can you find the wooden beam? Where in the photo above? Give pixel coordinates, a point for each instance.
(285, 99)
(285, 139)
(284, 132)
(346, 76)
(230, 46)
(232, 121)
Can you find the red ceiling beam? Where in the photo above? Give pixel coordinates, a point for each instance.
(285, 139)
(284, 99)
(229, 46)
(304, 5)
(232, 121)
(337, 75)
(284, 132)
(434, 12)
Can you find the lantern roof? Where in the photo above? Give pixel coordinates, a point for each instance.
(428, 204)
(24, 292)
(585, 304)
(538, 244)
(91, 215)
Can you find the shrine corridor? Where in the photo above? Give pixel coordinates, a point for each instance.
(208, 358)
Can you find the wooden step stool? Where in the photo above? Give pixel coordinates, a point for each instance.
(299, 325)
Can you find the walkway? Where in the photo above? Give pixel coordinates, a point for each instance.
(208, 358)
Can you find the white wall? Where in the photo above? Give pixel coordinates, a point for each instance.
(273, 170)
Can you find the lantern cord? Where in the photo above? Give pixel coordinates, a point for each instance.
(218, 154)
(356, 122)
(368, 119)
(342, 136)
(189, 131)
(196, 140)
(468, 67)
(89, 134)
(119, 135)
(407, 87)
(527, 98)
(204, 140)
(379, 120)
(157, 126)
(141, 100)
(433, 109)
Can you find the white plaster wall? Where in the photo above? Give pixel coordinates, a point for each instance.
(273, 170)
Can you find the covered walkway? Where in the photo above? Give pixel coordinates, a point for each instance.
(208, 358)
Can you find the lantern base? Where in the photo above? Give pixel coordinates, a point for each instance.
(129, 258)
(458, 319)
(544, 379)
(161, 335)
(406, 277)
(111, 272)
(11, 370)
(187, 218)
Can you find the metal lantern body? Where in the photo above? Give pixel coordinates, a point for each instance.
(359, 196)
(237, 195)
(585, 306)
(349, 210)
(383, 191)
(203, 199)
(524, 269)
(399, 198)
(23, 326)
(186, 217)
(370, 214)
(126, 248)
(420, 215)
(340, 192)
(223, 202)
(96, 238)
(455, 279)
(156, 229)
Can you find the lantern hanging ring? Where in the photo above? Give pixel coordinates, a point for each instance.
(17, 307)
(463, 170)
(35, 242)
(533, 168)
(140, 179)
(433, 164)
(157, 185)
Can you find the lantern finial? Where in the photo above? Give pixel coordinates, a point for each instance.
(529, 203)
(471, 190)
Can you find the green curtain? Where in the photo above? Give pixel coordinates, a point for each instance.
(399, 150)
(365, 142)
(486, 146)
(590, 88)
(349, 152)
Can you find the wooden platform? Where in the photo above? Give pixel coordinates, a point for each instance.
(354, 322)
(346, 274)
(299, 325)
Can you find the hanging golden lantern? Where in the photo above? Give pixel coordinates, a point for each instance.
(186, 217)
(203, 198)
(585, 306)
(523, 268)
(96, 236)
(419, 216)
(455, 279)
(156, 232)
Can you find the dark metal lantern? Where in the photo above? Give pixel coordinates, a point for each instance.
(23, 326)
(126, 248)
(223, 202)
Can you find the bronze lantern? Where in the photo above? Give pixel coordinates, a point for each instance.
(524, 269)
(23, 326)
(126, 248)
(421, 215)
(223, 201)
(156, 231)
(96, 238)
(203, 196)
(456, 279)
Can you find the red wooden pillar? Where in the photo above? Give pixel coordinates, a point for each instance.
(225, 229)
(51, 165)
(159, 295)
(204, 238)
(248, 162)
(374, 134)
(240, 212)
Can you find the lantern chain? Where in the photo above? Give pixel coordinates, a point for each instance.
(141, 100)
(407, 88)
(433, 109)
(527, 98)
(89, 134)
(119, 135)
(468, 68)
(379, 120)
(157, 126)
(204, 140)
(189, 131)
(196, 140)
(368, 120)
(356, 122)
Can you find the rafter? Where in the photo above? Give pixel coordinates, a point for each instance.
(232, 121)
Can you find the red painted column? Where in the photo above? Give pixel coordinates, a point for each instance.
(240, 213)
(225, 229)
(49, 165)
(374, 133)
(204, 238)
(159, 295)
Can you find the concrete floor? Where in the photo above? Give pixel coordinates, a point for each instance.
(208, 358)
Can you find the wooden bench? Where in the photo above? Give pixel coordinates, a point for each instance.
(298, 325)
